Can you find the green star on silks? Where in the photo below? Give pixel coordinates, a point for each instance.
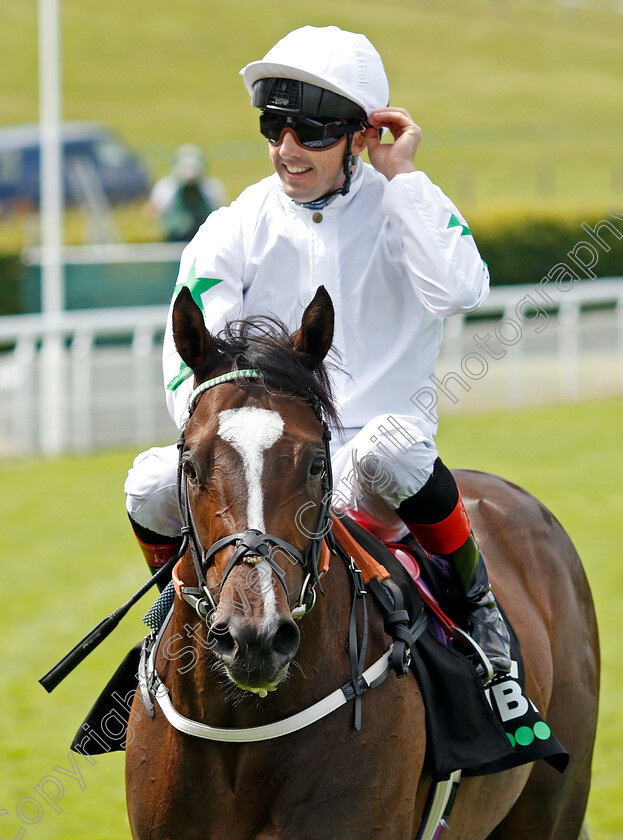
(455, 222)
(197, 286)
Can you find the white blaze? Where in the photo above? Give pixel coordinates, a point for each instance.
(251, 431)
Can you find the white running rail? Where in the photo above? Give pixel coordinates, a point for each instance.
(567, 346)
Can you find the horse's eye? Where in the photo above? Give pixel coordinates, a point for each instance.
(316, 467)
(189, 471)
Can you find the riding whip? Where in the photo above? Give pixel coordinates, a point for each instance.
(105, 627)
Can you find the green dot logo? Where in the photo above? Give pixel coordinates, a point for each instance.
(542, 730)
(524, 736)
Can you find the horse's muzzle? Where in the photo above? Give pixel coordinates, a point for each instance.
(255, 658)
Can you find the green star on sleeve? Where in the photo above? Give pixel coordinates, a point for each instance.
(455, 222)
(184, 373)
(197, 286)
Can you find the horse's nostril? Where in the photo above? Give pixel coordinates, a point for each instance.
(221, 640)
(285, 642)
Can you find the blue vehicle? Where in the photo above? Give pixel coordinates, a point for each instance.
(94, 159)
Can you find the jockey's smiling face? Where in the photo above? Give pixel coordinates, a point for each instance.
(308, 174)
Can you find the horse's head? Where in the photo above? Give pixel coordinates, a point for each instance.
(254, 477)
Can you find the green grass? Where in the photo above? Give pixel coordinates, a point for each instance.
(519, 101)
(571, 458)
(68, 559)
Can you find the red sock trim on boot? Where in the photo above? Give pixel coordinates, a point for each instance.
(157, 556)
(446, 536)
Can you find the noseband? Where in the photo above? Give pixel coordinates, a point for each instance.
(253, 543)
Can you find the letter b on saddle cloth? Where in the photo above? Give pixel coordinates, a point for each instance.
(468, 728)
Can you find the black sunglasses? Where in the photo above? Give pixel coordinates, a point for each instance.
(311, 134)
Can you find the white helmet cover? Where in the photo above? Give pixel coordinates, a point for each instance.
(331, 58)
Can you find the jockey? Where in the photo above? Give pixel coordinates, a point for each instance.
(397, 258)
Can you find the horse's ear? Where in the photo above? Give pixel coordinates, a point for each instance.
(315, 334)
(192, 338)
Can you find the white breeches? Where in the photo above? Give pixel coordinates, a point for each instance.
(390, 459)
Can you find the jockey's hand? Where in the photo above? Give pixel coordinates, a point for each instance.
(393, 158)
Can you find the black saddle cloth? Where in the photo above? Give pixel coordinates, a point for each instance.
(467, 728)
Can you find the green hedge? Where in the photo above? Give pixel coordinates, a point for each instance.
(517, 250)
(10, 284)
(524, 250)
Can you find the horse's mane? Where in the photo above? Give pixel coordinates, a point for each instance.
(264, 343)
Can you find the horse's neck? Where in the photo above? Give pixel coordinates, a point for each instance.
(323, 653)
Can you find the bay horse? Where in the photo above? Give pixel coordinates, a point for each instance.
(253, 461)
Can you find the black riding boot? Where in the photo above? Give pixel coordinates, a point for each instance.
(437, 518)
(483, 620)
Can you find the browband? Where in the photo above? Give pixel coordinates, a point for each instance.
(232, 376)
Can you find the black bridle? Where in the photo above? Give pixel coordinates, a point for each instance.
(254, 543)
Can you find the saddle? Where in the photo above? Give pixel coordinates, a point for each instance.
(469, 728)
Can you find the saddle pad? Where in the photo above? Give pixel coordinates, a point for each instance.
(468, 728)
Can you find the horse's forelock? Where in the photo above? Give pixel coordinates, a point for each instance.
(264, 343)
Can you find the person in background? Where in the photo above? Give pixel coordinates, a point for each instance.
(182, 200)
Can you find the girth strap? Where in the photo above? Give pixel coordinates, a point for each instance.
(439, 806)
